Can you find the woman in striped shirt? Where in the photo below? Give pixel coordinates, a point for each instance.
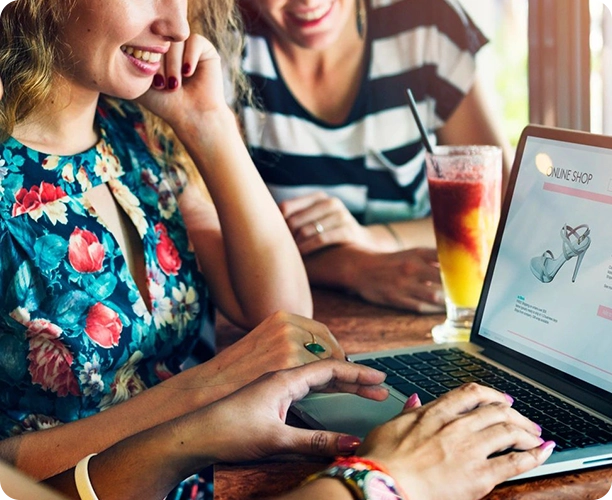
(335, 141)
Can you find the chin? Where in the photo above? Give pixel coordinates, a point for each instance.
(129, 94)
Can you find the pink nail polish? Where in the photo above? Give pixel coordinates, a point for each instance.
(172, 83)
(548, 446)
(509, 398)
(538, 427)
(412, 401)
(348, 443)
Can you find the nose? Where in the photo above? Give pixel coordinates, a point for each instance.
(172, 23)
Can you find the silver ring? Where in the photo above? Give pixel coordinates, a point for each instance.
(318, 227)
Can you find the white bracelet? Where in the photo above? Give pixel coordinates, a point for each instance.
(81, 478)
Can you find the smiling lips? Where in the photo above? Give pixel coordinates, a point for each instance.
(312, 16)
(142, 55)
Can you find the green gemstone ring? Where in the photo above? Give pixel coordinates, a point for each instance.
(313, 346)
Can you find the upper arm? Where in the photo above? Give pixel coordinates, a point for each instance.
(204, 232)
(473, 122)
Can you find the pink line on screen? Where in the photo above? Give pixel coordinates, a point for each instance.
(560, 352)
(578, 193)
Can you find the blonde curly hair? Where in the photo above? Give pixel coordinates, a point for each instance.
(31, 53)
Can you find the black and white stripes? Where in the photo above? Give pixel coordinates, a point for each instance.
(374, 160)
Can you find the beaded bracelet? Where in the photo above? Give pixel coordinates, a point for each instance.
(81, 478)
(365, 479)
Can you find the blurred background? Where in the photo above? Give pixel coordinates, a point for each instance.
(549, 62)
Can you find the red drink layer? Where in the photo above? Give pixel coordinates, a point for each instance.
(465, 214)
(451, 202)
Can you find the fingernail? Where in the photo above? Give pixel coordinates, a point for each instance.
(548, 446)
(538, 427)
(541, 441)
(412, 401)
(509, 398)
(186, 68)
(172, 83)
(348, 443)
(158, 81)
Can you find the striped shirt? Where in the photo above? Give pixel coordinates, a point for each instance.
(374, 161)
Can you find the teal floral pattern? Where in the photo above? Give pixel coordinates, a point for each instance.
(76, 336)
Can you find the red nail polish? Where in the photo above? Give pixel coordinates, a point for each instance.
(158, 81)
(186, 68)
(348, 443)
(172, 83)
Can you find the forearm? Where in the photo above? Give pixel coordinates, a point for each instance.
(264, 266)
(147, 465)
(321, 488)
(68, 443)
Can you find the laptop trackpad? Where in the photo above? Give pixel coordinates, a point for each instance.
(346, 412)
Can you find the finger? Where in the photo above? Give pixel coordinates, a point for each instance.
(506, 436)
(194, 47)
(486, 416)
(458, 402)
(512, 464)
(321, 333)
(328, 237)
(348, 377)
(412, 403)
(299, 203)
(315, 224)
(172, 66)
(321, 443)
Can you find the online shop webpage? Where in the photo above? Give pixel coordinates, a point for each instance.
(559, 227)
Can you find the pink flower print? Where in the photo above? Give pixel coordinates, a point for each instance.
(167, 254)
(103, 326)
(41, 199)
(50, 360)
(85, 251)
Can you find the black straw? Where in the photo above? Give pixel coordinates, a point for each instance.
(418, 121)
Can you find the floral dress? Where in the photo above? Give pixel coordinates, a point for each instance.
(76, 336)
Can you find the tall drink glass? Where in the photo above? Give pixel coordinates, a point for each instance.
(465, 193)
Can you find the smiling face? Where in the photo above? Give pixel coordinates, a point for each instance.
(116, 46)
(310, 24)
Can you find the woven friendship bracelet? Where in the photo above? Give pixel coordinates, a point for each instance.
(365, 479)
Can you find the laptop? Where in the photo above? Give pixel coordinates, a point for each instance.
(543, 326)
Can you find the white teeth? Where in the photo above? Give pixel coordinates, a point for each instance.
(312, 15)
(143, 55)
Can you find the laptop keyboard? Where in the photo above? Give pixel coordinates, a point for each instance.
(433, 373)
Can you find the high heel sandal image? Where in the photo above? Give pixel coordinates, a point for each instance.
(575, 241)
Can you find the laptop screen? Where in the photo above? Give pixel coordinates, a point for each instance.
(549, 295)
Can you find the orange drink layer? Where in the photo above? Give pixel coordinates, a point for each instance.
(465, 214)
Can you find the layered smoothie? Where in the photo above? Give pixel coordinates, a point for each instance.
(465, 194)
(465, 213)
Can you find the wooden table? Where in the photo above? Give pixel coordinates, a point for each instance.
(361, 327)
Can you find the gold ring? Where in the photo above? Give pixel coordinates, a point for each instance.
(318, 227)
(314, 347)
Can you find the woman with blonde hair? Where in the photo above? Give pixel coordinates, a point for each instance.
(112, 257)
